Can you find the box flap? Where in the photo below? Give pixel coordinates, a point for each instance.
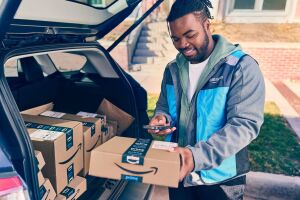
(114, 113)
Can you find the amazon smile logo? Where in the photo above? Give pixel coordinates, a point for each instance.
(69, 159)
(89, 150)
(152, 170)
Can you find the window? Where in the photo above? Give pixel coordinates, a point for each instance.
(244, 4)
(259, 5)
(11, 68)
(259, 11)
(68, 61)
(274, 5)
(97, 3)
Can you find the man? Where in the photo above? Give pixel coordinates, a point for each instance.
(213, 95)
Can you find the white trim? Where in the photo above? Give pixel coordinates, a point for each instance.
(257, 15)
(258, 5)
(293, 13)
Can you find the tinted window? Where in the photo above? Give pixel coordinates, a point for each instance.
(67, 61)
(11, 68)
(244, 4)
(97, 3)
(274, 4)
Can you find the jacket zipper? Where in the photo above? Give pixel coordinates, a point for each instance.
(190, 104)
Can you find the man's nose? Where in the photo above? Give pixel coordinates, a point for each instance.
(183, 43)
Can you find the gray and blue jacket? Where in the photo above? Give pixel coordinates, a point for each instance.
(224, 115)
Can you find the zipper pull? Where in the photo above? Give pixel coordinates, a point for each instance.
(189, 107)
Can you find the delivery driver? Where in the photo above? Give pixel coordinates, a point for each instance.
(213, 94)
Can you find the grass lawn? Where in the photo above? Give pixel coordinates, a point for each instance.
(276, 149)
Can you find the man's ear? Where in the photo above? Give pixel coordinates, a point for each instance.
(207, 25)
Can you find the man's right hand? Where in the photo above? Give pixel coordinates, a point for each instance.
(160, 120)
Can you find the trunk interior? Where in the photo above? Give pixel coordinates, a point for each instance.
(33, 84)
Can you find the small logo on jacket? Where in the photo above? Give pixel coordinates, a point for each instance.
(216, 79)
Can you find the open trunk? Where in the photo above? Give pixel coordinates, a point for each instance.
(77, 79)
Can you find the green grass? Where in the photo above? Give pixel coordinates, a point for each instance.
(152, 99)
(276, 149)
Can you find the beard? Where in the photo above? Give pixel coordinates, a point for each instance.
(201, 52)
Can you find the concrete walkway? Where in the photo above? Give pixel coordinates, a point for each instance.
(155, 50)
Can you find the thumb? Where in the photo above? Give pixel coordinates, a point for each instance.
(173, 149)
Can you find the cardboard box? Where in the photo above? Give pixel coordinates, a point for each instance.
(60, 142)
(135, 160)
(92, 136)
(46, 191)
(41, 178)
(104, 129)
(93, 115)
(114, 113)
(40, 159)
(107, 133)
(114, 127)
(74, 190)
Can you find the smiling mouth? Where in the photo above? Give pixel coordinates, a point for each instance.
(189, 52)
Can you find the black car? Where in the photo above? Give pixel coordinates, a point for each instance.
(49, 53)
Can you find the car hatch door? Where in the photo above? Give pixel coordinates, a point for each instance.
(8, 10)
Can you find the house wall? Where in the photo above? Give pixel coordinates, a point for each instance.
(297, 12)
(277, 61)
(221, 14)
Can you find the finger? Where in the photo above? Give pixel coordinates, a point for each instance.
(183, 168)
(161, 120)
(182, 165)
(175, 149)
(162, 133)
(153, 131)
(167, 131)
(158, 120)
(153, 122)
(181, 175)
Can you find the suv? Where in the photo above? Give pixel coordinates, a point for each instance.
(49, 53)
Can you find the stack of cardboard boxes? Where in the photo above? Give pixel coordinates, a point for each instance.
(46, 189)
(68, 148)
(63, 144)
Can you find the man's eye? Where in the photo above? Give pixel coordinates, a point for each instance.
(175, 39)
(191, 36)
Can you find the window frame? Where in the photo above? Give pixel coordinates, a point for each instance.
(258, 15)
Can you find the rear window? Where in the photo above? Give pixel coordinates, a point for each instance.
(65, 62)
(97, 3)
(11, 68)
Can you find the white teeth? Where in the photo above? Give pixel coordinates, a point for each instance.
(188, 51)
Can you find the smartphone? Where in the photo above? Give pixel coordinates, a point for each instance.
(157, 127)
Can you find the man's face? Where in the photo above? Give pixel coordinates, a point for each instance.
(190, 37)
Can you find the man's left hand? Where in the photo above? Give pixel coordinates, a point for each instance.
(187, 164)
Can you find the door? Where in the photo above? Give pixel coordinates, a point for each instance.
(14, 141)
(8, 9)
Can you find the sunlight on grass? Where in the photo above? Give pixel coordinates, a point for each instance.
(276, 150)
(152, 99)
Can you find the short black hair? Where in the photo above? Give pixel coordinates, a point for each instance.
(183, 7)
